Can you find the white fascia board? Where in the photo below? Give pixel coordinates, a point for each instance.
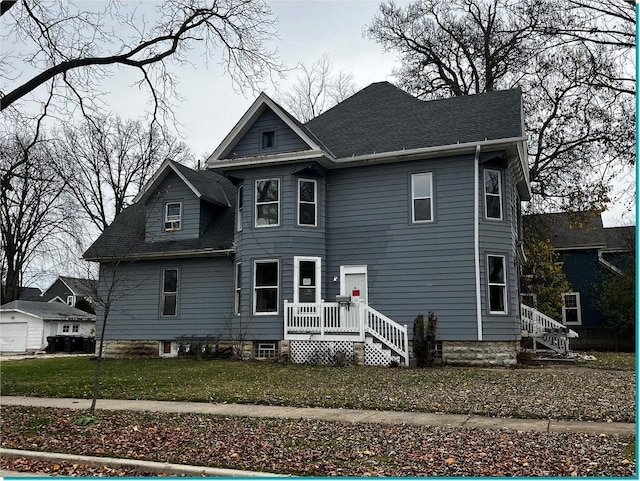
(160, 174)
(452, 149)
(369, 159)
(19, 311)
(246, 122)
(272, 159)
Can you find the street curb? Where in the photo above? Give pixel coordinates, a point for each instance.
(147, 466)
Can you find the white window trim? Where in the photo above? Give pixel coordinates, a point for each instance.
(499, 194)
(296, 277)
(172, 219)
(264, 203)
(414, 198)
(70, 301)
(239, 208)
(66, 328)
(503, 285)
(237, 306)
(75, 328)
(578, 309)
(163, 292)
(277, 287)
(315, 203)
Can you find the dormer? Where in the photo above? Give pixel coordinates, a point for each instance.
(180, 203)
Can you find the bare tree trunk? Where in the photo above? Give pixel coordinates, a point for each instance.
(96, 374)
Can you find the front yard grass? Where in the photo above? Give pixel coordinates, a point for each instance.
(587, 394)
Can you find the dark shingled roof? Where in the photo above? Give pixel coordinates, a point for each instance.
(81, 287)
(580, 230)
(48, 310)
(125, 237)
(208, 183)
(383, 118)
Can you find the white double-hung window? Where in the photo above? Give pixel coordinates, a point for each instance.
(493, 194)
(169, 301)
(497, 284)
(266, 274)
(172, 216)
(422, 197)
(307, 202)
(571, 314)
(267, 203)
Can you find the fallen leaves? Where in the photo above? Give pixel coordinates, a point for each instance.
(315, 448)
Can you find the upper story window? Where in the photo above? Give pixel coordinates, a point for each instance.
(65, 328)
(75, 328)
(497, 285)
(571, 313)
(172, 216)
(239, 210)
(307, 202)
(493, 194)
(422, 197)
(268, 139)
(267, 203)
(169, 305)
(70, 301)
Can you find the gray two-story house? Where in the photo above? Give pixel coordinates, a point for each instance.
(306, 240)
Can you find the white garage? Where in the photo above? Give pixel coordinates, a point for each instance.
(25, 325)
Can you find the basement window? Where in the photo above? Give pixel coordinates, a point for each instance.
(266, 350)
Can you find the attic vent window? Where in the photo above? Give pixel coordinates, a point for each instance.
(268, 139)
(172, 216)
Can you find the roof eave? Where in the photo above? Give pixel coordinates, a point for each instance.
(164, 255)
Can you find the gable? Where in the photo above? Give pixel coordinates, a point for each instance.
(284, 138)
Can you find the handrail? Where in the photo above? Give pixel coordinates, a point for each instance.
(553, 332)
(392, 334)
(331, 318)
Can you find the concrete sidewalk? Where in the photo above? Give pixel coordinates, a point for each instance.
(342, 415)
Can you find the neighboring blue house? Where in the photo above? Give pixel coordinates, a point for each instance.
(589, 253)
(308, 240)
(71, 291)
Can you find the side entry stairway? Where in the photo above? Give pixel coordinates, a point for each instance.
(546, 331)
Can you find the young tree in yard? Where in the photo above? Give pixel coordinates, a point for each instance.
(317, 89)
(580, 130)
(106, 161)
(542, 275)
(72, 47)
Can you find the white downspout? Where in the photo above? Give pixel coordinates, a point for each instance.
(476, 237)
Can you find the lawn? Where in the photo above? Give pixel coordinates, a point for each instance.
(602, 390)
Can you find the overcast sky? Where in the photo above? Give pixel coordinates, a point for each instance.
(306, 30)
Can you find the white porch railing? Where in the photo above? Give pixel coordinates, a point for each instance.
(546, 330)
(332, 321)
(389, 332)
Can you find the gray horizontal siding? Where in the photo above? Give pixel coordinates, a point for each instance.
(497, 238)
(282, 243)
(172, 189)
(205, 299)
(250, 144)
(412, 268)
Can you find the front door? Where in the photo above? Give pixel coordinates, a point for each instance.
(354, 278)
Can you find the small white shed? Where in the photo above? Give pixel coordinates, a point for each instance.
(25, 325)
